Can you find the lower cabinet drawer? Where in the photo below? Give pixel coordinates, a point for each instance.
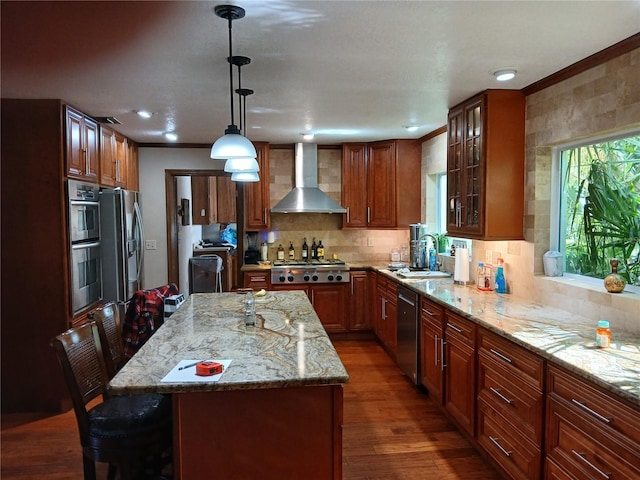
(578, 446)
(519, 401)
(519, 457)
(553, 472)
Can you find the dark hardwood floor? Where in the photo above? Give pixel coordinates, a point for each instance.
(391, 431)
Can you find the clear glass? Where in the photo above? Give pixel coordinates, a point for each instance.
(249, 309)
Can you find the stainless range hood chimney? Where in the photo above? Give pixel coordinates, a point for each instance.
(306, 197)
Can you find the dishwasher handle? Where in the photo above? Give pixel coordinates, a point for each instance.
(406, 300)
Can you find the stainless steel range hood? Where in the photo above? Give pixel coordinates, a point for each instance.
(306, 197)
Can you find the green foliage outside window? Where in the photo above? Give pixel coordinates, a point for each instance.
(600, 205)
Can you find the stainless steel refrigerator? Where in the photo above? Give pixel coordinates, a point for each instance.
(122, 244)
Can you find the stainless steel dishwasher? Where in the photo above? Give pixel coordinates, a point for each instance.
(408, 333)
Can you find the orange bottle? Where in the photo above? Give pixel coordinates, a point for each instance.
(603, 334)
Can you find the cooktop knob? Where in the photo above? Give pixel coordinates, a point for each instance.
(314, 277)
(306, 277)
(281, 277)
(330, 276)
(338, 276)
(290, 277)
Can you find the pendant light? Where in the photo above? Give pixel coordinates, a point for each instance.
(245, 177)
(232, 144)
(243, 165)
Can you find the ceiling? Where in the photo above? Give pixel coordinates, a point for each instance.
(345, 70)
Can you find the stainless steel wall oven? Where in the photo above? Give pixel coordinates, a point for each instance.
(85, 244)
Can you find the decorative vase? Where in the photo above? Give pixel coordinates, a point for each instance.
(614, 282)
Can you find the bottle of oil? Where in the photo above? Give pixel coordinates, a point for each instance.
(314, 249)
(305, 250)
(292, 251)
(320, 250)
(280, 252)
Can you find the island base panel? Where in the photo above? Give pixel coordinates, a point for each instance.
(267, 434)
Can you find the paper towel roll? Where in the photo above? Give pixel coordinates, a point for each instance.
(461, 269)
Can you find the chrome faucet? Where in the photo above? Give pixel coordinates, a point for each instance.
(418, 253)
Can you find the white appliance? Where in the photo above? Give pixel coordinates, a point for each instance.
(122, 244)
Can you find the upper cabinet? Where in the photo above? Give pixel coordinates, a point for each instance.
(256, 194)
(81, 145)
(485, 166)
(133, 178)
(213, 199)
(381, 184)
(113, 158)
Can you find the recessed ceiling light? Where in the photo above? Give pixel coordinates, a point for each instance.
(504, 75)
(171, 136)
(144, 113)
(411, 128)
(307, 136)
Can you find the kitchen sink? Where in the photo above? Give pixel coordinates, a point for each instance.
(423, 274)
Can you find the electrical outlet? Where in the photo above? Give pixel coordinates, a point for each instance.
(150, 245)
(369, 242)
(488, 257)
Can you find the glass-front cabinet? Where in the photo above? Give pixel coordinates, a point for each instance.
(485, 166)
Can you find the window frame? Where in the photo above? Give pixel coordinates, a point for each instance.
(555, 227)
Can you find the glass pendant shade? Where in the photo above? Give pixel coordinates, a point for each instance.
(233, 145)
(241, 165)
(245, 177)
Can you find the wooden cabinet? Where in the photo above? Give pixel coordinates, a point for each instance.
(391, 195)
(257, 280)
(359, 301)
(203, 210)
(460, 364)
(485, 166)
(133, 176)
(257, 200)
(590, 434)
(213, 199)
(81, 146)
(329, 301)
(510, 405)
(432, 348)
(113, 158)
(226, 199)
(386, 314)
(34, 160)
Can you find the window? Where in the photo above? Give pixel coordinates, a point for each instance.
(599, 207)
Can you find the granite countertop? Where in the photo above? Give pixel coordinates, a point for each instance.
(289, 346)
(565, 339)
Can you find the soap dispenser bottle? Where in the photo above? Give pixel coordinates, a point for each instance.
(501, 281)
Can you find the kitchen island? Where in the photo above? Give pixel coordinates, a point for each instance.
(276, 411)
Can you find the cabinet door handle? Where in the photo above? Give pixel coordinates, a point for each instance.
(502, 449)
(429, 312)
(583, 457)
(500, 355)
(501, 396)
(435, 349)
(368, 214)
(442, 345)
(264, 216)
(348, 216)
(384, 309)
(583, 406)
(453, 327)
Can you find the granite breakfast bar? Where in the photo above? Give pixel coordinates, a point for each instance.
(276, 411)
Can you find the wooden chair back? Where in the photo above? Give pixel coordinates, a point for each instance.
(107, 319)
(80, 355)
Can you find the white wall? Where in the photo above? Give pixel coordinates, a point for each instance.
(153, 163)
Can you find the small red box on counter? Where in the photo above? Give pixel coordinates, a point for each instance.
(207, 368)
